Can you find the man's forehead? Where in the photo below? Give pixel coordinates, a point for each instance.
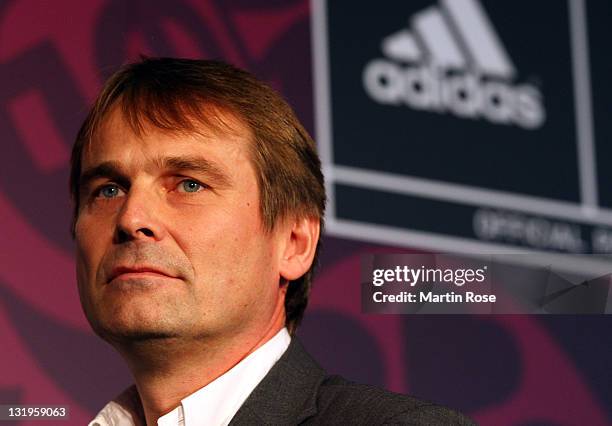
(119, 136)
(210, 121)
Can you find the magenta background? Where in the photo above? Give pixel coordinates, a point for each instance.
(503, 370)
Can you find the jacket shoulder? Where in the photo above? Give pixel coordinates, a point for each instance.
(340, 401)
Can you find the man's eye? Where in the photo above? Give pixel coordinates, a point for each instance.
(109, 191)
(189, 185)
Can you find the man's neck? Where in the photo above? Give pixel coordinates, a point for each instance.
(168, 370)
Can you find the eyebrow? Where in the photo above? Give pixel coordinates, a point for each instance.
(113, 170)
(197, 165)
(107, 169)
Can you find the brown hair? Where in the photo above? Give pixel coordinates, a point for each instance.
(181, 95)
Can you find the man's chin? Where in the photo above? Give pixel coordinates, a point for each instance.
(133, 319)
(131, 337)
(144, 335)
(115, 332)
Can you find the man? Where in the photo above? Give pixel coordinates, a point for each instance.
(198, 209)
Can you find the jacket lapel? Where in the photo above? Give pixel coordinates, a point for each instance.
(287, 395)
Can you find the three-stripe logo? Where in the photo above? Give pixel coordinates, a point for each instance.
(453, 61)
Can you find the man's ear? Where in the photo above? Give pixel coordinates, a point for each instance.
(300, 245)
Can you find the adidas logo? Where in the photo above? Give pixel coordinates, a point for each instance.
(453, 62)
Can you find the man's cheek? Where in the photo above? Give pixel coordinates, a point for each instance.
(84, 277)
(87, 256)
(84, 289)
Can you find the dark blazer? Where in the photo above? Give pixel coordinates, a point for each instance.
(298, 391)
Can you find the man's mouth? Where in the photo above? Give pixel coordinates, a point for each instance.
(127, 272)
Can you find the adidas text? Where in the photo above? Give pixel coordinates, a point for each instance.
(464, 94)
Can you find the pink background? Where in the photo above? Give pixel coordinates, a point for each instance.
(54, 56)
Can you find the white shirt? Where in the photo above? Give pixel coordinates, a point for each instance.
(217, 402)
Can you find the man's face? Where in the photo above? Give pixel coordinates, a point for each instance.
(170, 241)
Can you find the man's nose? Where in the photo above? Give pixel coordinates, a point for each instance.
(139, 217)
